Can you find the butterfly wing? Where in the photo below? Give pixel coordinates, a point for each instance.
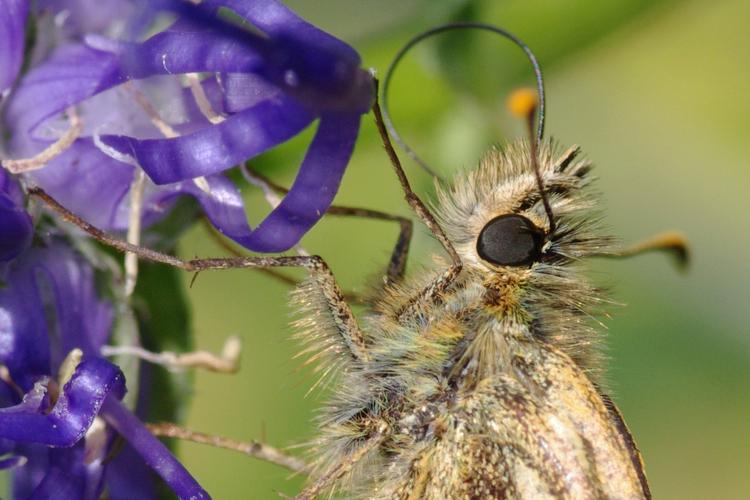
(540, 430)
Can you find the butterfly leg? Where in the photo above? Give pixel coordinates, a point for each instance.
(397, 263)
(442, 282)
(344, 466)
(341, 314)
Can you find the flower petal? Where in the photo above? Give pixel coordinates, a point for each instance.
(315, 67)
(16, 227)
(313, 189)
(71, 74)
(86, 16)
(61, 485)
(153, 451)
(44, 281)
(89, 183)
(200, 49)
(308, 199)
(219, 147)
(129, 477)
(12, 37)
(276, 19)
(80, 401)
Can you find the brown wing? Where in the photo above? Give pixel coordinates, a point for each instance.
(539, 430)
(635, 453)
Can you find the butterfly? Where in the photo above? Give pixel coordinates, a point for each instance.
(479, 376)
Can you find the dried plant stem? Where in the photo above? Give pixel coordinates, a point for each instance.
(153, 114)
(226, 362)
(134, 230)
(49, 153)
(252, 448)
(201, 100)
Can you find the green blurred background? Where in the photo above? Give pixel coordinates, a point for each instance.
(655, 92)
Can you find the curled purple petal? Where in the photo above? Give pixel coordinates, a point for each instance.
(315, 67)
(242, 91)
(71, 74)
(153, 451)
(25, 479)
(173, 52)
(80, 401)
(16, 227)
(313, 189)
(293, 72)
(83, 319)
(217, 148)
(12, 37)
(130, 477)
(24, 344)
(308, 199)
(275, 18)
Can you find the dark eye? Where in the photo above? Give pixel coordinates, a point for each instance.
(510, 240)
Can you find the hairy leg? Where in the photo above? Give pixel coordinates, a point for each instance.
(442, 282)
(397, 263)
(341, 314)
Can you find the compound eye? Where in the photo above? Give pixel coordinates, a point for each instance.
(510, 240)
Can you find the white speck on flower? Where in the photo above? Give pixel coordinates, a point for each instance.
(61, 17)
(202, 184)
(291, 78)
(164, 63)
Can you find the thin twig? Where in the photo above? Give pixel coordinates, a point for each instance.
(253, 448)
(134, 229)
(201, 100)
(152, 113)
(50, 152)
(226, 362)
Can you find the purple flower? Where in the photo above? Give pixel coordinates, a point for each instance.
(49, 307)
(12, 21)
(261, 90)
(93, 109)
(15, 224)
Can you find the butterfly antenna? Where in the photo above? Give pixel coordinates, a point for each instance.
(442, 29)
(523, 103)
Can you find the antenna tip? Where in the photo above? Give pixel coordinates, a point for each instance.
(523, 102)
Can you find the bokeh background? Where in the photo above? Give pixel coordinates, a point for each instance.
(656, 93)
